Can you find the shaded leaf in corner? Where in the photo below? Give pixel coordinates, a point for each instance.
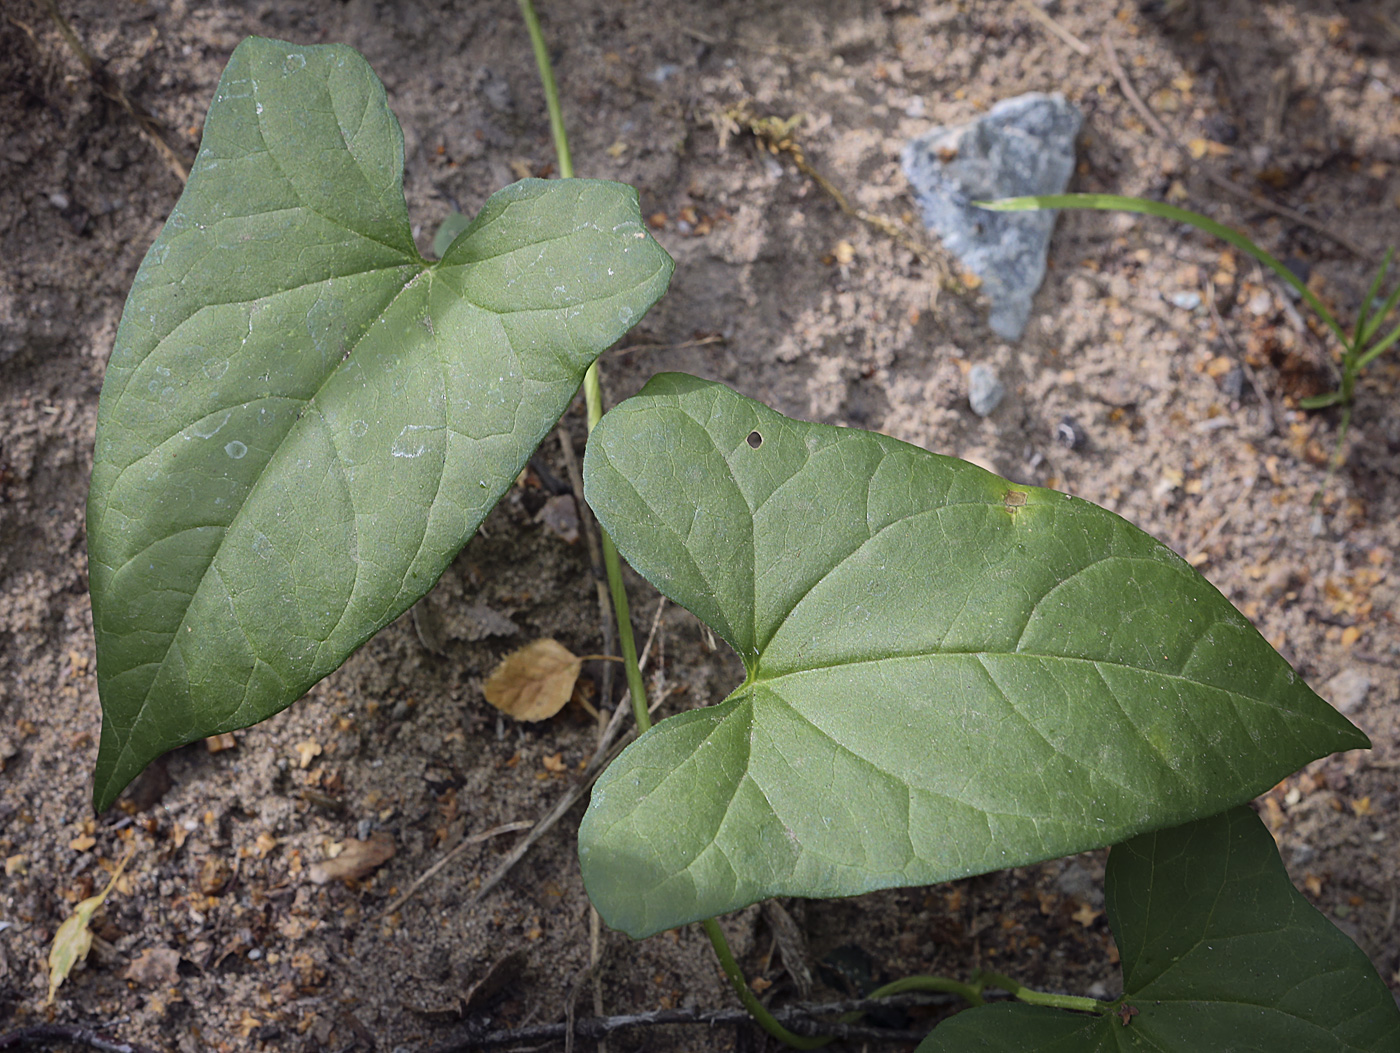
(480, 621)
(560, 517)
(74, 939)
(502, 974)
(356, 860)
(533, 683)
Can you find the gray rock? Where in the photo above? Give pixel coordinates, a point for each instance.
(984, 390)
(1021, 146)
(1347, 690)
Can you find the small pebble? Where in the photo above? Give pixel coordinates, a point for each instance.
(663, 73)
(1301, 270)
(1232, 386)
(1347, 690)
(364, 828)
(59, 200)
(984, 390)
(1302, 854)
(1069, 434)
(1260, 304)
(1186, 299)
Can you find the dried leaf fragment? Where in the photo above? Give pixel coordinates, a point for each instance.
(533, 683)
(156, 967)
(307, 750)
(356, 860)
(74, 939)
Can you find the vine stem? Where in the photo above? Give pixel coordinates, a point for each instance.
(593, 399)
(1078, 1003)
(592, 382)
(757, 1009)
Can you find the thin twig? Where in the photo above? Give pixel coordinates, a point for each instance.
(684, 345)
(602, 757)
(474, 839)
(802, 1019)
(546, 824)
(110, 87)
(1060, 31)
(1266, 408)
(43, 1034)
(777, 137)
(1229, 185)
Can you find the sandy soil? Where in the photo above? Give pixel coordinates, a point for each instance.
(216, 938)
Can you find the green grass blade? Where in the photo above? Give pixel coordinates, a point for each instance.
(1320, 401)
(1373, 352)
(1118, 203)
(1377, 319)
(1364, 315)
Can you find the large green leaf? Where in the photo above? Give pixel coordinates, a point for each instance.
(1220, 952)
(947, 673)
(302, 420)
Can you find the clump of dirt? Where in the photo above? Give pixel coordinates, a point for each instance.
(1184, 419)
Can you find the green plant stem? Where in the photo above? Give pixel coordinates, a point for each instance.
(592, 383)
(613, 563)
(969, 993)
(551, 90)
(756, 1009)
(1025, 994)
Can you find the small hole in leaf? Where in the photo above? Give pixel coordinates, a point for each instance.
(755, 440)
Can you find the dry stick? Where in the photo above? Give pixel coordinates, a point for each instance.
(474, 839)
(798, 1018)
(1265, 403)
(108, 85)
(601, 758)
(84, 1036)
(781, 141)
(684, 345)
(1224, 183)
(1060, 31)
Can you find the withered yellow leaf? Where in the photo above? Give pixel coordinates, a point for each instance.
(356, 860)
(533, 683)
(74, 939)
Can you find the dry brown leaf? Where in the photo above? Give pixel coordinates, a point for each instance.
(533, 683)
(156, 967)
(74, 939)
(356, 859)
(307, 749)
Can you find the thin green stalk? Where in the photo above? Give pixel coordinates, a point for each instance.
(551, 91)
(756, 1009)
(969, 993)
(592, 384)
(1025, 994)
(613, 563)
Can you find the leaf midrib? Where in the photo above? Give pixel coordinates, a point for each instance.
(758, 679)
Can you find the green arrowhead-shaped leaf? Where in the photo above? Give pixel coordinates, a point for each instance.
(302, 420)
(947, 674)
(1220, 952)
